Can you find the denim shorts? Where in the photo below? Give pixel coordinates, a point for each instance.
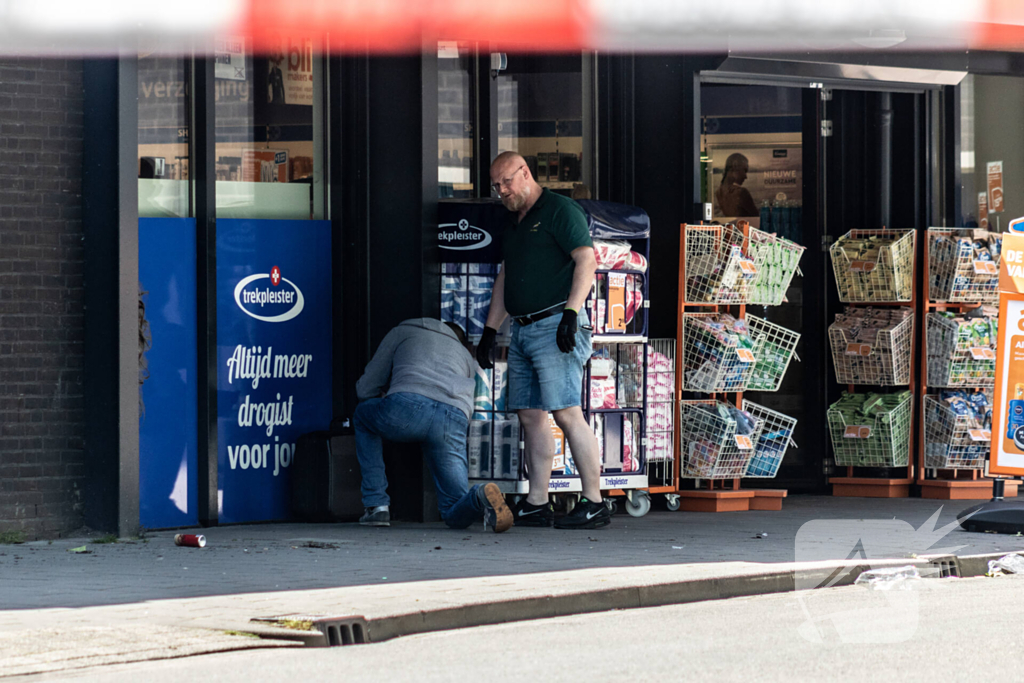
(540, 376)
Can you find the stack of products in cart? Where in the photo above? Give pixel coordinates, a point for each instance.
(962, 347)
(718, 353)
(872, 345)
(963, 265)
(618, 255)
(871, 430)
(493, 447)
(616, 297)
(466, 290)
(777, 260)
(616, 376)
(661, 381)
(717, 439)
(957, 429)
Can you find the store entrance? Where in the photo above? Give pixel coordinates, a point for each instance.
(810, 164)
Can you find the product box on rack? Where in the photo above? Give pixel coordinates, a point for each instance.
(479, 446)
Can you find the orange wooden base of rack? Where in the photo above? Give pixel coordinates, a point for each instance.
(964, 489)
(731, 500)
(870, 487)
(715, 501)
(768, 499)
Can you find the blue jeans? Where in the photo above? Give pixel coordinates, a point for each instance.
(540, 376)
(441, 428)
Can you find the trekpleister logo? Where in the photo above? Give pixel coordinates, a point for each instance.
(462, 236)
(270, 297)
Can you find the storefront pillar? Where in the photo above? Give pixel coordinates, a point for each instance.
(110, 219)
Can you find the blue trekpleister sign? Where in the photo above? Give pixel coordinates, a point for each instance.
(273, 358)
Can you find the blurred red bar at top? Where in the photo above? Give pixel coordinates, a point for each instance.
(1003, 28)
(394, 26)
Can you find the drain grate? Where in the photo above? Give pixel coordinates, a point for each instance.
(946, 567)
(348, 631)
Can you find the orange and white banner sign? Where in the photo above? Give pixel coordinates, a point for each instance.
(1007, 454)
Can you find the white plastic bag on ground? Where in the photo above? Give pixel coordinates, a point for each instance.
(889, 578)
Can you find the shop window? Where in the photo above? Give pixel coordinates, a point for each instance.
(456, 116)
(268, 151)
(541, 116)
(163, 132)
(991, 151)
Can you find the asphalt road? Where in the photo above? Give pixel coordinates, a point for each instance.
(943, 629)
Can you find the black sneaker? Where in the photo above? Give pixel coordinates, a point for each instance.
(586, 515)
(528, 514)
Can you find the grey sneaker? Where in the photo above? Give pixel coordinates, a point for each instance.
(497, 516)
(377, 516)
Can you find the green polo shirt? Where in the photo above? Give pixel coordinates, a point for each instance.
(538, 253)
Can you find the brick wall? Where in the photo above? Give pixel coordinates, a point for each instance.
(41, 317)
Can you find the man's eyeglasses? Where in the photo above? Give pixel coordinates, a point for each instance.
(506, 181)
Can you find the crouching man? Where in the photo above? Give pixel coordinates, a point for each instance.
(429, 376)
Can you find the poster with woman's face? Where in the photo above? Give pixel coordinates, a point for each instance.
(741, 179)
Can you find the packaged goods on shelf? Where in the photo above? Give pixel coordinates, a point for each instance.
(491, 393)
(958, 428)
(774, 348)
(871, 430)
(616, 376)
(479, 446)
(776, 435)
(718, 268)
(614, 303)
(874, 265)
(717, 439)
(618, 255)
(466, 290)
(617, 441)
(963, 265)
(778, 259)
(962, 348)
(872, 345)
(718, 352)
(661, 383)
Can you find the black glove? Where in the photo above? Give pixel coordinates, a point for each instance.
(567, 331)
(486, 346)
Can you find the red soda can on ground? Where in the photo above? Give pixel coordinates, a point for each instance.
(190, 540)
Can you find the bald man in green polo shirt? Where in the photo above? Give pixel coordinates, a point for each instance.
(546, 273)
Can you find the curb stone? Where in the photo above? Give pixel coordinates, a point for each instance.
(382, 628)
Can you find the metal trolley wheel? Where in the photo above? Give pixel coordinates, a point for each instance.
(672, 501)
(638, 503)
(611, 504)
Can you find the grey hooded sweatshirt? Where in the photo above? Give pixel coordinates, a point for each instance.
(422, 356)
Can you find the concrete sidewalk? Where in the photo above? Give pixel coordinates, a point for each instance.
(444, 578)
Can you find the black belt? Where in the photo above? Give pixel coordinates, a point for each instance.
(534, 317)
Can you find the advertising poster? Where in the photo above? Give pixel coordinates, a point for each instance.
(229, 58)
(1007, 454)
(994, 172)
(273, 358)
(290, 72)
(741, 179)
(265, 166)
(168, 395)
(983, 210)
